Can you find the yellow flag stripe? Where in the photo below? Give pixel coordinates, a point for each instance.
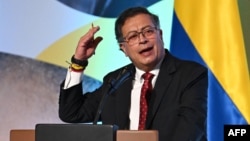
(215, 30)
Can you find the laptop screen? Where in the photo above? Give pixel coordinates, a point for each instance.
(75, 132)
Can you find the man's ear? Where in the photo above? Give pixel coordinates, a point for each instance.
(161, 34)
(123, 49)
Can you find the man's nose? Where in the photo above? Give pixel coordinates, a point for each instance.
(142, 37)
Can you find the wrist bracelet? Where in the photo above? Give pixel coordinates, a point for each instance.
(76, 70)
(77, 67)
(82, 63)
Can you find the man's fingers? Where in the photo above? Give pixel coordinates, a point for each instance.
(98, 40)
(93, 30)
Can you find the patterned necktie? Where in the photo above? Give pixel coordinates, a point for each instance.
(145, 90)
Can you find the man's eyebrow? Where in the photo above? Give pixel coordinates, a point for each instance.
(140, 29)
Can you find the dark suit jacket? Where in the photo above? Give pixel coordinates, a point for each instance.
(177, 107)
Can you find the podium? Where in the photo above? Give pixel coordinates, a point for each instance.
(137, 135)
(89, 132)
(22, 135)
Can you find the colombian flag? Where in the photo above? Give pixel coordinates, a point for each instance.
(210, 32)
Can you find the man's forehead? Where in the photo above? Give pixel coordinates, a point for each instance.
(137, 23)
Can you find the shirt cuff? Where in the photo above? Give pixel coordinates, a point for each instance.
(72, 79)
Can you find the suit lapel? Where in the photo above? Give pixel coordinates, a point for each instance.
(163, 80)
(122, 103)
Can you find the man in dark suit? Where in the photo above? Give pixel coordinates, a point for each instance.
(176, 104)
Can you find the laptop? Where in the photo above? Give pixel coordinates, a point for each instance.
(75, 132)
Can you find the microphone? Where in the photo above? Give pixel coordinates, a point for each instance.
(122, 77)
(124, 74)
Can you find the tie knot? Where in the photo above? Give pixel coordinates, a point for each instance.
(147, 76)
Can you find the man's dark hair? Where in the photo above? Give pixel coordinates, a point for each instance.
(131, 12)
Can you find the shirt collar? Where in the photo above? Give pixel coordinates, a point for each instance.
(155, 71)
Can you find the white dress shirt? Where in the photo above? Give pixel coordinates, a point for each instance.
(135, 97)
